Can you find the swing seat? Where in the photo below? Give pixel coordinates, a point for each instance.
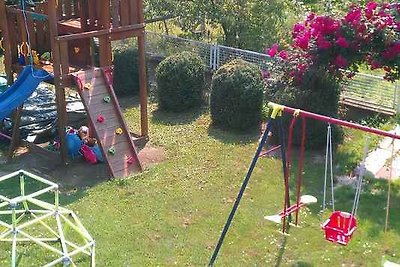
(339, 228)
(304, 200)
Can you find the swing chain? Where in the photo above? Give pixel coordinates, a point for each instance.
(328, 157)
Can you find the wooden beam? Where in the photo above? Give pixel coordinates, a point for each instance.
(105, 53)
(60, 90)
(143, 85)
(29, 13)
(15, 141)
(6, 42)
(99, 33)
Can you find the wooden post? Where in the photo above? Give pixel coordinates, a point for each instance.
(60, 90)
(105, 41)
(142, 85)
(6, 42)
(15, 141)
(142, 73)
(10, 79)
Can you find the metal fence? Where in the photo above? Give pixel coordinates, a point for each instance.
(371, 92)
(363, 90)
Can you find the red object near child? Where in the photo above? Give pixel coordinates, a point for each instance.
(88, 154)
(339, 228)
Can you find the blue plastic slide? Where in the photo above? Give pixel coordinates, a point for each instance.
(27, 81)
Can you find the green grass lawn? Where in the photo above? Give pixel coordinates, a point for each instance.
(173, 213)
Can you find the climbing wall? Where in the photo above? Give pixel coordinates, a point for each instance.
(110, 129)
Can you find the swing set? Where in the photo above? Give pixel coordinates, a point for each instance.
(340, 225)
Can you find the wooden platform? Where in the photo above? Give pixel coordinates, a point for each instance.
(93, 86)
(358, 103)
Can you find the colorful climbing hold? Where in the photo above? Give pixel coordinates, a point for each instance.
(107, 99)
(119, 131)
(87, 86)
(111, 150)
(130, 160)
(100, 118)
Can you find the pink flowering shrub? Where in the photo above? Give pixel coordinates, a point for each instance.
(367, 34)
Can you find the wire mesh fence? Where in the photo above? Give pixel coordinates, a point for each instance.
(363, 90)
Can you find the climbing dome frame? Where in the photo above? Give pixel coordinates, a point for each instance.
(27, 219)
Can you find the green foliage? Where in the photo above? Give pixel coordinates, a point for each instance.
(249, 24)
(180, 82)
(198, 183)
(319, 93)
(126, 70)
(237, 96)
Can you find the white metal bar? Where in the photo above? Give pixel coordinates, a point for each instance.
(43, 239)
(78, 228)
(10, 175)
(48, 206)
(37, 219)
(40, 243)
(61, 234)
(14, 250)
(33, 195)
(40, 179)
(7, 201)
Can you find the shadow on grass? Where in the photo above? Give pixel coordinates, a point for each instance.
(237, 138)
(174, 118)
(282, 247)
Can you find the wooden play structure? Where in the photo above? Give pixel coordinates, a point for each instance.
(69, 30)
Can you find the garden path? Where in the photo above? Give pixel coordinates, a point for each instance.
(378, 161)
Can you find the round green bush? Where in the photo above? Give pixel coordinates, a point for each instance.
(319, 93)
(126, 70)
(237, 96)
(180, 82)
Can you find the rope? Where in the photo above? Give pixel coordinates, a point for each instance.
(328, 154)
(359, 182)
(389, 189)
(28, 36)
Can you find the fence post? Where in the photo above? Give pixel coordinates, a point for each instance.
(217, 61)
(397, 97)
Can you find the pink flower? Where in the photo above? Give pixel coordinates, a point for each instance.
(369, 9)
(265, 74)
(283, 55)
(375, 65)
(371, 6)
(361, 28)
(302, 41)
(322, 43)
(341, 62)
(353, 17)
(272, 51)
(310, 17)
(342, 42)
(392, 51)
(298, 28)
(325, 25)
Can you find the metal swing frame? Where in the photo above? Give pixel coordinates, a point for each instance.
(277, 110)
(18, 210)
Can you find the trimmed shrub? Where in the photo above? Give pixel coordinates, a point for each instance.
(126, 70)
(319, 93)
(180, 82)
(237, 96)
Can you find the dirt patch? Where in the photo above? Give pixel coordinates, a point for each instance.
(76, 174)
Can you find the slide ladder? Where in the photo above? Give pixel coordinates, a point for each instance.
(103, 110)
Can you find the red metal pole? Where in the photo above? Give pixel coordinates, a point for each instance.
(300, 174)
(306, 114)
